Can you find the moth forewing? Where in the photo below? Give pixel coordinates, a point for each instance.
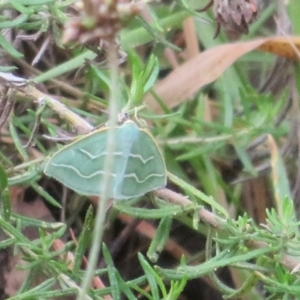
(137, 169)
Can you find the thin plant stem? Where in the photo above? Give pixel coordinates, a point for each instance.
(112, 56)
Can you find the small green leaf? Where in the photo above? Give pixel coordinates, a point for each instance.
(9, 48)
(176, 289)
(281, 184)
(4, 194)
(161, 236)
(84, 239)
(17, 141)
(68, 66)
(151, 73)
(10, 24)
(244, 157)
(22, 9)
(32, 175)
(115, 287)
(153, 278)
(26, 221)
(34, 2)
(45, 195)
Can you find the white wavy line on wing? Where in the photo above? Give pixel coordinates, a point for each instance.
(144, 161)
(92, 157)
(146, 178)
(79, 173)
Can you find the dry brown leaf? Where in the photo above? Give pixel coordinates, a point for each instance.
(183, 82)
(288, 47)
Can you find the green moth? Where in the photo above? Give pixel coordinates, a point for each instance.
(137, 169)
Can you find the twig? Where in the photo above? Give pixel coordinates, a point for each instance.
(205, 215)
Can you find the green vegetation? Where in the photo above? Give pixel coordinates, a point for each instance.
(224, 115)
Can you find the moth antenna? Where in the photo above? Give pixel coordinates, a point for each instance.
(218, 29)
(206, 7)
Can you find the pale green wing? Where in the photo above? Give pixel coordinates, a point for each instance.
(80, 165)
(145, 168)
(138, 165)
